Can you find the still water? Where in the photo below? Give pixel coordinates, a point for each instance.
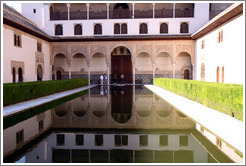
(109, 124)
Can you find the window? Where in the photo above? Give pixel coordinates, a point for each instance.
(34, 10)
(17, 40)
(58, 30)
(40, 125)
(184, 28)
(183, 140)
(218, 74)
(20, 76)
(78, 29)
(143, 28)
(220, 36)
(164, 28)
(121, 140)
(116, 28)
(203, 72)
(97, 29)
(39, 47)
(79, 139)
(19, 137)
(123, 28)
(60, 139)
(98, 140)
(203, 44)
(143, 140)
(163, 140)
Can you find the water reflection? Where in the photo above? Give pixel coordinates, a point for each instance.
(104, 107)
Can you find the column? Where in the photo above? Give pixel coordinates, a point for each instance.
(89, 82)
(173, 70)
(107, 10)
(88, 11)
(108, 74)
(173, 10)
(51, 71)
(133, 73)
(153, 10)
(69, 71)
(193, 76)
(133, 4)
(68, 11)
(153, 72)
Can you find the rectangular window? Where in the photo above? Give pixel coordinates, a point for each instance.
(40, 125)
(19, 137)
(60, 139)
(163, 140)
(79, 139)
(39, 47)
(17, 40)
(143, 140)
(34, 10)
(183, 140)
(203, 44)
(121, 140)
(98, 140)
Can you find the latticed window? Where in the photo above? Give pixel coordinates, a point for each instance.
(203, 44)
(220, 36)
(58, 30)
(98, 29)
(143, 28)
(164, 28)
(78, 29)
(116, 28)
(184, 28)
(17, 40)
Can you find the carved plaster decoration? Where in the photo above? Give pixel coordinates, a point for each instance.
(97, 49)
(144, 48)
(164, 48)
(59, 49)
(79, 49)
(184, 48)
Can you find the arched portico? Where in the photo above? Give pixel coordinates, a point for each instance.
(183, 66)
(98, 66)
(61, 66)
(164, 65)
(79, 67)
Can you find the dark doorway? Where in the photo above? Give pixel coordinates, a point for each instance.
(121, 64)
(58, 75)
(186, 74)
(14, 80)
(39, 73)
(121, 10)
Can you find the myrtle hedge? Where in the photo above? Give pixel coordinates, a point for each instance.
(18, 92)
(226, 98)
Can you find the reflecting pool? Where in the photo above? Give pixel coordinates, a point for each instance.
(107, 124)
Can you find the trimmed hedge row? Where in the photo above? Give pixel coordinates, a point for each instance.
(17, 92)
(226, 98)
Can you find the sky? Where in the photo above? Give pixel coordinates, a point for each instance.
(14, 4)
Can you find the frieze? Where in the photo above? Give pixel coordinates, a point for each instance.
(59, 49)
(79, 49)
(184, 48)
(144, 48)
(164, 48)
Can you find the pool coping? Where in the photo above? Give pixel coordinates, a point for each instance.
(228, 129)
(22, 106)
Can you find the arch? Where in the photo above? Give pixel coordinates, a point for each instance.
(121, 10)
(121, 64)
(164, 28)
(97, 29)
(99, 108)
(116, 28)
(183, 65)
(78, 29)
(143, 62)
(79, 107)
(203, 72)
(218, 74)
(123, 28)
(62, 109)
(14, 75)
(60, 63)
(184, 28)
(164, 63)
(20, 75)
(39, 73)
(162, 108)
(222, 77)
(58, 30)
(143, 28)
(78, 65)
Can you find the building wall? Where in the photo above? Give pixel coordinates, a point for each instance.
(201, 16)
(24, 56)
(229, 53)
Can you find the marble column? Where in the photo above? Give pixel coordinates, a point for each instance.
(88, 11)
(153, 10)
(173, 10)
(173, 70)
(107, 10)
(133, 74)
(89, 82)
(153, 72)
(69, 71)
(133, 4)
(108, 74)
(68, 11)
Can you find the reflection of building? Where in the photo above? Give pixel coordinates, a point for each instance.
(94, 148)
(141, 40)
(130, 110)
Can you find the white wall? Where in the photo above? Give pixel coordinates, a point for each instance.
(230, 53)
(25, 54)
(201, 16)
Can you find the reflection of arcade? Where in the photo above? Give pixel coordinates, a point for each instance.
(121, 104)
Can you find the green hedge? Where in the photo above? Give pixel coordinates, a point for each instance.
(17, 92)
(226, 98)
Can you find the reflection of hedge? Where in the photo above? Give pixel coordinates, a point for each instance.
(17, 92)
(226, 98)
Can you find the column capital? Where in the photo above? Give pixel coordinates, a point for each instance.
(68, 5)
(88, 4)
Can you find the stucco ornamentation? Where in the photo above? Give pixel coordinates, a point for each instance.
(79, 49)
(184, 48)
(164, 48)
(144, 48)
